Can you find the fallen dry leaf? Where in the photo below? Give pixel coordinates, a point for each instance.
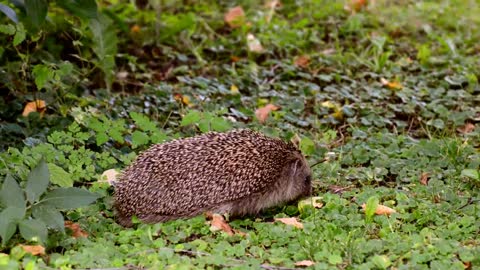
(290, 221)
(234, 89)
(424, 179)
(391, 85)
(234, 58)
(254, 44)
(184, 99)
(338, 114)
(355, 5)
(109, 176)
(218, 223)
(76, 230)
(34, 250)
(263, 112)
(135, 29)
(35, 106)
(381, 209)
(467, 128)
(338, 189)
(122, 75)
(302, 61)
(304, 263)
(235, 17)
(328, 51)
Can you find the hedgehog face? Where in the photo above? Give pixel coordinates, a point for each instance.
(302, 178)
(298, 179)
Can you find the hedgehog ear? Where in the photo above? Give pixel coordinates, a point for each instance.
(295, 165)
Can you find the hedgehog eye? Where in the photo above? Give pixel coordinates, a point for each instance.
(308, 179)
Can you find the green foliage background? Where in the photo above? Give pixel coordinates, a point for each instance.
(118, 76)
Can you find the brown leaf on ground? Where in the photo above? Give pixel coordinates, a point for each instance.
(304, 263)
(135, 29)
(302, 61)
(34, 250)
(424, 178)
(381, 210)
(235, 17)
(290, 221)
(76, 230)
(218, 223)
(35, 106)
(356, 5)
(328, 51)
(263, 112)
(235, 58)
(467, 128)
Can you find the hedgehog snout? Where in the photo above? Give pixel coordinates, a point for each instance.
(308, 186)
(303, 180)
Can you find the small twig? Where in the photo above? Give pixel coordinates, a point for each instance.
(469, 202)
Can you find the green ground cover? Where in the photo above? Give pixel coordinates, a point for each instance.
(387, 97)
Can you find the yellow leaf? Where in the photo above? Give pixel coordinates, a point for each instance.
(329, 104)
(35, 106)
(338, 114)
(290, 221)
(186, 100)
(234, 89)
(395, 85)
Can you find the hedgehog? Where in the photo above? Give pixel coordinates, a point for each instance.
(239, 172)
